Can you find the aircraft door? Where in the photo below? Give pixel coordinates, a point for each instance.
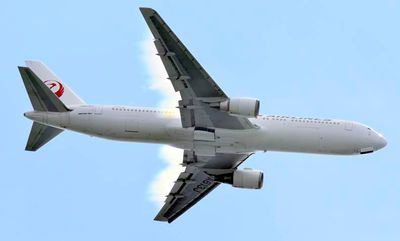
(131, 125)
(98, 110)
(348, 126)
(96, 119)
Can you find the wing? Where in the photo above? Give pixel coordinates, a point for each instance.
(199, 93)
(196, 181)
(196, 87)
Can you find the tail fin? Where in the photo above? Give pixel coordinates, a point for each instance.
(47, 94)
(61, 90)
(41, 97)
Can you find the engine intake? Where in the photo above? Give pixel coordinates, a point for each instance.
(248, 107)
(248, 178)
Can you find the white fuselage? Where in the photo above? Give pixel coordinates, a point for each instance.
(272, 133)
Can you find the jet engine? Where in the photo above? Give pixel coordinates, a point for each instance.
(248, 178)
(248, 107)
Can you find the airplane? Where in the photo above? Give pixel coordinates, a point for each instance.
(217, 132)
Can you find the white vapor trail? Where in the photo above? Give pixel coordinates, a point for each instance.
(164, 180)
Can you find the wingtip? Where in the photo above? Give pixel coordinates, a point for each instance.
(147, 11)
(161, 218)
(29, 149)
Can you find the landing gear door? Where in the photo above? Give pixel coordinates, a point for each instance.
(204, 134)
(204, 141)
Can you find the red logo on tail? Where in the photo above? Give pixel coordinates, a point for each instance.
(56, 87)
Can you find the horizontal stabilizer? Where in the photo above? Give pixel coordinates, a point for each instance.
(40, 135)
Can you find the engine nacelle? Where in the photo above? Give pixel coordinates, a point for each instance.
(248, 178)
(248, 107)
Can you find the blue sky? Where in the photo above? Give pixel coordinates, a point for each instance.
(336, 59)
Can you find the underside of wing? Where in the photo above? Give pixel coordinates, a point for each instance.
(182, 68)
(198, 90)
(190, 187)
(199, 179)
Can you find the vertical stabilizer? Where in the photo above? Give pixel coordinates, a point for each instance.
(60, 89)
(46, 93)
(42, 98)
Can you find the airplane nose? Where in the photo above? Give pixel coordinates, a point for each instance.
(379, 142)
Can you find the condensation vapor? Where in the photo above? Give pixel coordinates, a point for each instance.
(164, 180)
